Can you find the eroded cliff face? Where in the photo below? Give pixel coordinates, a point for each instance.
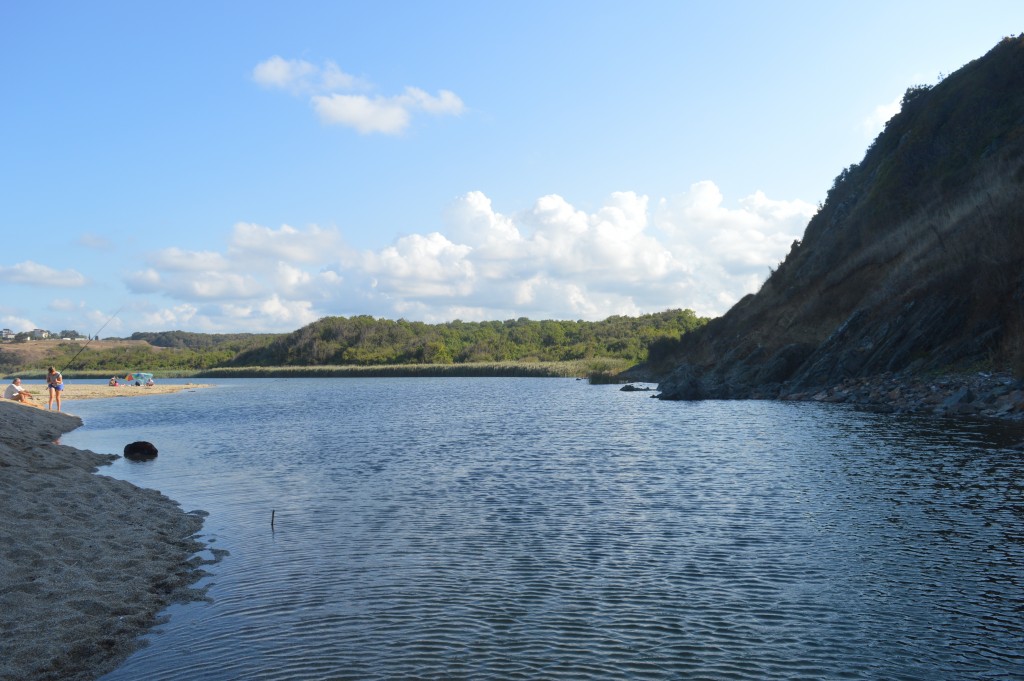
(915, 263)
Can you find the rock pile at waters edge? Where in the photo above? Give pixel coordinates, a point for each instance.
(984, 395)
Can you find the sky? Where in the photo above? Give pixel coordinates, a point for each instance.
(226, 167)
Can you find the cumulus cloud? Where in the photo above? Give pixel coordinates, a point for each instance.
(362, 113)
(875, 122)
(424, 266)
(34, 274)
(179, 260)
(328, 88)
(143, 281)
(17, 324)
(387, 115)
(302, 77)
(251, 241)
(551, 260)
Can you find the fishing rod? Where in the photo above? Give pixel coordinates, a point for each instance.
(95, 335)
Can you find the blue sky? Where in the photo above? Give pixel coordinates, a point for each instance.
(254, 166)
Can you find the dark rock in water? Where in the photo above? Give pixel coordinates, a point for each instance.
(140, 451)
(630, 388)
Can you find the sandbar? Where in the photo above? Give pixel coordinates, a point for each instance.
(92, 391)
(87, 562)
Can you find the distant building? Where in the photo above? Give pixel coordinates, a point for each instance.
(7, 335)
(40, 333)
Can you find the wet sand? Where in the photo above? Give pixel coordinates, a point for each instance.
(86, 561)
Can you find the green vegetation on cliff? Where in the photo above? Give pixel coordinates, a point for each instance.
(913, 264)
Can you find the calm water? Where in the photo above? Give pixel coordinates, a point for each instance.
(549, 529)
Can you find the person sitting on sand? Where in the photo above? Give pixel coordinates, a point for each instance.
(15, 392)
(112, 381)
(54, 386)
(150, 383)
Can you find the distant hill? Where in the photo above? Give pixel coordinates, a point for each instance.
(361, 341)
(367, 341)
(203, 341)
(914, 263)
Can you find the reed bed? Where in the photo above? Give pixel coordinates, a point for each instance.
(569, 369)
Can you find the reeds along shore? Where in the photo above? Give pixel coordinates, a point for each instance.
(569, 369)
(86, 561)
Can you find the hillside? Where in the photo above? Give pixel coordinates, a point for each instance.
(366, 341)
(360, 341)
(914, 263)
(36, 355)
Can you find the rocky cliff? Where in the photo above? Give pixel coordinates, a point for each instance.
(913, 264)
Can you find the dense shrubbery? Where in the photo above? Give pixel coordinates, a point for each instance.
(369, 342)
(363, 340)
(204, 341)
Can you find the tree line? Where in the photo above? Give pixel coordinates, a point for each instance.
(367, 341)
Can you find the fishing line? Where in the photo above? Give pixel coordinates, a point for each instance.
(95, 335)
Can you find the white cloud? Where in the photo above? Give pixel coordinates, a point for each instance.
(64, 305)
(34, 274)
(387, 115)
(282, 73)
(195, 285)
(251, 241)
(552, 260)
(17, 324)
(176, 317)
(875, 122)
(178, 260)
(473, 221)
(287, 312)
(302, 77)
(364, 114)
(740, 242)
(422, 266)
(328, 88)
(447, 102)
(143, 281)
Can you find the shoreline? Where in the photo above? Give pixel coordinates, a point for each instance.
(87, 562)
(96, 391)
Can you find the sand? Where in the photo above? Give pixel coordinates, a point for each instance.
(86, 561)
(86, 391)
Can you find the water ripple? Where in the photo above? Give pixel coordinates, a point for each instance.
(544, 529)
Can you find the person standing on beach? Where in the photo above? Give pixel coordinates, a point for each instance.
(15, 392)
(54, 386)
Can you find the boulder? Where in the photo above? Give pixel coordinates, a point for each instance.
(140, 451)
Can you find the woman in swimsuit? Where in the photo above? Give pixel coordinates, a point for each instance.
(54, 386)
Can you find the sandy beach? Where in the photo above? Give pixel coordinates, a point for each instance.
(91, 391)
(86, 561)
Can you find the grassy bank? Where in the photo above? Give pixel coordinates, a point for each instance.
(596, 370)
(571, 369)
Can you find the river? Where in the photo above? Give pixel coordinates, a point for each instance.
(549, 529)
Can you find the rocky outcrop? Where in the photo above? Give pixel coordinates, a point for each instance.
(981, 394)
(913, 266)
